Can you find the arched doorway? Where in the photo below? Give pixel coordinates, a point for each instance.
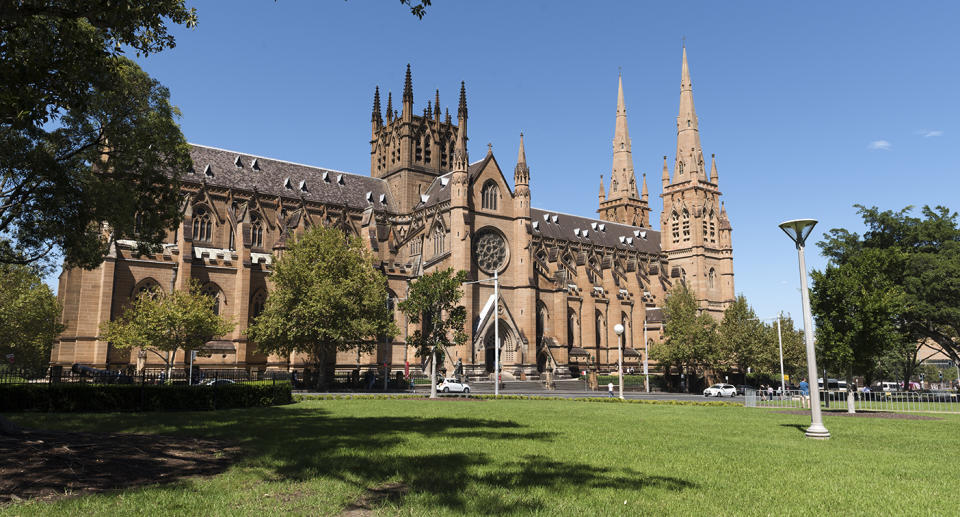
(506, 347)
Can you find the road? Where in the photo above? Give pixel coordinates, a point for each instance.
(566, 390)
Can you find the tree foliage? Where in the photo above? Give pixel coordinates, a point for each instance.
(434, 301)
(916, 257)
(86, 137)
(690, 344)
(740, 335)
(29, 317)
(165, 323)
(858, 309)
(327, 297)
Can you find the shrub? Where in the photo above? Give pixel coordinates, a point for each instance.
(135, 397)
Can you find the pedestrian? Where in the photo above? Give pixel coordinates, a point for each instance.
(769, 392)
(804, 393)
(610, 388)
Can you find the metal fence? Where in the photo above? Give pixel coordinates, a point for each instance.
(176, 376)
(895, 401)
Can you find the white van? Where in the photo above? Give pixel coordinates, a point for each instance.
(889, 386)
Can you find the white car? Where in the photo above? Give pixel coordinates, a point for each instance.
(721, 390)
(451, 384)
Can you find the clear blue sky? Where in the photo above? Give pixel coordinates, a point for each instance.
(810, 107)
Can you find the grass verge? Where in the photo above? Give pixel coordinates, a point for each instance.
(549, 457)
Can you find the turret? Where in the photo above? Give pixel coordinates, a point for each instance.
(521, 173)
(407, 110)
(376, 120)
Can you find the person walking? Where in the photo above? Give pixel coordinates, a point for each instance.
(804, 393)
(610, 388)
(769, 392)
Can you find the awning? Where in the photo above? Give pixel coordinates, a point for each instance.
(219, 346)
(575, 351)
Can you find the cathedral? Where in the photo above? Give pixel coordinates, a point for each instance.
(564, 280)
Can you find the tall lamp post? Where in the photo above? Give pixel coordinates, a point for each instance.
(798, 230)
(496, 329)
(646, 353)
(618, 328)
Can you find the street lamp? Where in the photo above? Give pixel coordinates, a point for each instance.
(618, 328)
(646, 353)
(496, 329)
(798, 230)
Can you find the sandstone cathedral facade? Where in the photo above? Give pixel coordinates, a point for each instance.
(565, 280)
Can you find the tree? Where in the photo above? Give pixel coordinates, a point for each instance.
(80, 124)
(794, 350)
(327, 297)
(417, 7)
(921, 256)
(690, 344)
(434, 302)
(29, 317)
(165, 323)
(740, 336)
(857, 308)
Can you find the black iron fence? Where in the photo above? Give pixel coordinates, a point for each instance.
(156, 376)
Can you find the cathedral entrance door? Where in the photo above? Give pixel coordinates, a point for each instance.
(488, 343)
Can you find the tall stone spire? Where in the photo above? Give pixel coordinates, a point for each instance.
(622, 180)
(436, 106)
(462, 108)
(666, 173)
(645, 194)
(603, 192)
(389, 106)
(689, 153)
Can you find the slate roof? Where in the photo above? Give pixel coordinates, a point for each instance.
(565, 227)
(242, 171)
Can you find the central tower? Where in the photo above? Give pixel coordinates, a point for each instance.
(694, 228)
(408, 150)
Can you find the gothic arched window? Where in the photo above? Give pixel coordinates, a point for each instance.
(202, 225)
(571, 327)
(599, 332)
(145, 288)
(675, 226)
(256, 230)
(257, 304)
(213, 291)
(490, 195)
(438, 245)
(711, 276)
(686, 225)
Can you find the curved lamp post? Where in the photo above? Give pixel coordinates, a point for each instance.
(798, 230)
(618, 328)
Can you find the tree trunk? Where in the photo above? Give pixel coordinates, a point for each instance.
(433, 373)
(320, 379)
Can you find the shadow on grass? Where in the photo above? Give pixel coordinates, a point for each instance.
(303, 444)
(799, 427)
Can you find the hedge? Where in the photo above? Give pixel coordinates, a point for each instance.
(68, 397)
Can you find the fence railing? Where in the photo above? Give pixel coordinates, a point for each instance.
(895, 401)
(179, 376)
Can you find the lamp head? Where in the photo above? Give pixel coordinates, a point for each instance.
(618, 328)
(798, 229)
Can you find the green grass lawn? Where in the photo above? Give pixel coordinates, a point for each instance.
(538, 457)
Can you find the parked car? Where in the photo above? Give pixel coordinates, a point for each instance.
(720, 390)
(451, 384)
(742, 388)
(216, 382)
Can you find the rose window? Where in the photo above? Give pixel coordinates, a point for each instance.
(491, 252)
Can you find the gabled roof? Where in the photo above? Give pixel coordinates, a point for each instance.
(438, 191)
(242, 171)
(573, 228)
